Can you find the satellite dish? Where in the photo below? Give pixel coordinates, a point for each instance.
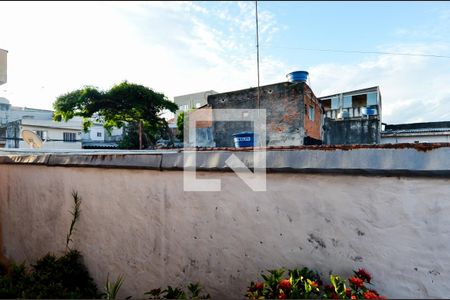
(32, 139)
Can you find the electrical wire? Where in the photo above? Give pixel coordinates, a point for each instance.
(362, 52)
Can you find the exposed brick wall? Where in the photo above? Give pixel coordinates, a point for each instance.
(285, 112)
(312, 128)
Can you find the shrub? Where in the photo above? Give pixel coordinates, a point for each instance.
(51, 278)
(177, 293)
(306, 284)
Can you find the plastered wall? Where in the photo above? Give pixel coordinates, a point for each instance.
(140, 223)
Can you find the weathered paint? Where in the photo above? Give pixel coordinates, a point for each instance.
(352, 131)
(141, 224)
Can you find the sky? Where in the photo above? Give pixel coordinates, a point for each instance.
(179, 48)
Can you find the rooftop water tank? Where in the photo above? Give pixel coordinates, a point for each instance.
(367, 111)
(297, 76)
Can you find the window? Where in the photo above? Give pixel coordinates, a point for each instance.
(184, 107)
(197, 105)
(99, 134)
(335, 103)
(372, 99)
(69, 137)
(347, 102)
(41, 133)
(311, 113)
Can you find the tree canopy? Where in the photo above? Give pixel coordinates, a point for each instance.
(123, 103)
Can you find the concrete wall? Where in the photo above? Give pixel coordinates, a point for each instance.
(351, 131)
(141, 223)
(285, 109)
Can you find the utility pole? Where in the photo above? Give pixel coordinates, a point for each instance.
(258, 93)
(140, 134)
(257, 51)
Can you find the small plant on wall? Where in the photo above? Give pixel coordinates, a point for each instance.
(306, 284)
(194, 292)
(52, 277)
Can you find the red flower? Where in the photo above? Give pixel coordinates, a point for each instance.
(370, 295)
(314, 284)
(353, 297)
(363, 274)
(329, 288)
(259, 286)
(375, 292)
(285, 284)
(348, 292)
(282, 296)
(358, 282)
(334, 296)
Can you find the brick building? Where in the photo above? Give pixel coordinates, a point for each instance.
(293, 114)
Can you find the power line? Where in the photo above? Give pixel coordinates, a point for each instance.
(363, 52)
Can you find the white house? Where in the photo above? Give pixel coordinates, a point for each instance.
(56, 135)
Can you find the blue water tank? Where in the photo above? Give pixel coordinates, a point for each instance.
(297, 76)
(367, 111)
(244, 139)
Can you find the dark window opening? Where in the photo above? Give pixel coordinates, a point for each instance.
(69, 137)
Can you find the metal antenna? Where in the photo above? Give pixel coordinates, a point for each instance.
(257, 49)
(257, 68)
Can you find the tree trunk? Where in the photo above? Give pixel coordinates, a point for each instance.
(140, 134)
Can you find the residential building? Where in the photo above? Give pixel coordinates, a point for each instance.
(4, 103)
(352, 117)
(99, 138)
(191, 101)
(56, 135)
(4, 109)
(429, 132)
(3, 66)
(294, 114)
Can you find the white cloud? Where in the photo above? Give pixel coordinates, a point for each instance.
(184, 47)
(413, 88)
(175, 48)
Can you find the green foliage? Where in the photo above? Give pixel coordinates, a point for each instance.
(149, 138)
(50, 278)
(124, 103)
(75, 216)
(180, 126)
(177, 293)
(14, 282)
(112, 288)
(306, 284)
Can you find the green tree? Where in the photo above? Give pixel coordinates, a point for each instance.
(180, 126)
(125, 103)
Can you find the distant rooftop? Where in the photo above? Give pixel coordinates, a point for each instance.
(423, 127)
(365, 90)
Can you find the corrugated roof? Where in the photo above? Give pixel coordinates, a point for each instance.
(100, 145)
(418, 130)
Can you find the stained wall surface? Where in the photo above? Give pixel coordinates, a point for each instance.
(142, 224)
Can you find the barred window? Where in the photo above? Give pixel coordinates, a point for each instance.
(69, 137)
